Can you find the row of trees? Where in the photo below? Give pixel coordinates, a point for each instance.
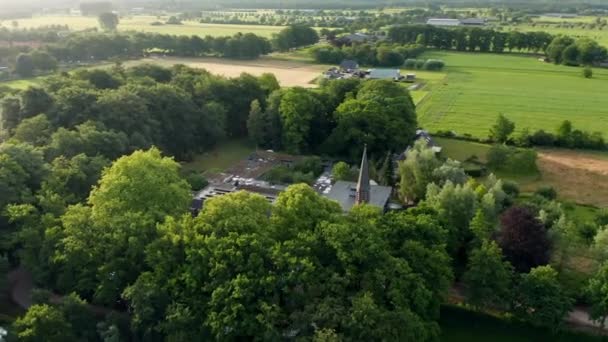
(367, 54)
(94, 46)
(469, 39)
(565, 135)
(569, 51)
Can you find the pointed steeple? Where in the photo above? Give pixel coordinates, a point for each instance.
(362, 195)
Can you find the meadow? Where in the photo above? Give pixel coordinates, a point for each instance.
(142, 24)
(534, 94)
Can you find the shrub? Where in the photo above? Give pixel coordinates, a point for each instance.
(197, 181)
(587, 72)
(497, 156)
(547, 192)
(434, 64)
(542, 138)
(311, 165)
(420, 63)
(410, 63)
(510, 188)
(510, 159)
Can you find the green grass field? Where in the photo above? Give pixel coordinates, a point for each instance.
(533, 94)
(142, 23)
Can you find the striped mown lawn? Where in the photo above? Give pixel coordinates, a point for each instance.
(533, 94)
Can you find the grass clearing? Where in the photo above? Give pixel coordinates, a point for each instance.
(533, 94)
(221, 157)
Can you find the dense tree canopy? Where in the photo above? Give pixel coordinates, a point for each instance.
(295, 36)
(306, 265)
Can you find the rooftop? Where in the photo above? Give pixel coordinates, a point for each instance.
(344, 193)
(384, 73)
(443, 22)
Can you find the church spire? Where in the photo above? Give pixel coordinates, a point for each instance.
(362, 195)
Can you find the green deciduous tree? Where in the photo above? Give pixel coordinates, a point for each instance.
(488, 277)
(99, 250)
(416, 172)
(24, 65)
(108, 21)
(502, 129)
(540, 299)
(256, 125)
(299, 108)
(456, 206)
(597, 293)
(43, 323)
(35, 131)
(341, 171)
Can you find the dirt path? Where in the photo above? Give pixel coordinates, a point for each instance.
(21, 285)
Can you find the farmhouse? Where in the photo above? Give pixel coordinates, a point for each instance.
(349, 194)
(384, 74)
(443, 22)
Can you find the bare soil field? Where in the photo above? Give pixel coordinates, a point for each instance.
(288, 73)
(576, 175)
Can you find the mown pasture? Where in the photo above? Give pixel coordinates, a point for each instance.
(534, 94)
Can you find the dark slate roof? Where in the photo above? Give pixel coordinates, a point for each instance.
(349, 64)
(344, 193)
(473, 21)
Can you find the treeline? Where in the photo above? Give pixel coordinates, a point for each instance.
(574, 52)
(336, 119)
(123, 239)
(93, 46)
(367, 54)
(183, 111)
(46, 34)
(564, 136)
(469, 39)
